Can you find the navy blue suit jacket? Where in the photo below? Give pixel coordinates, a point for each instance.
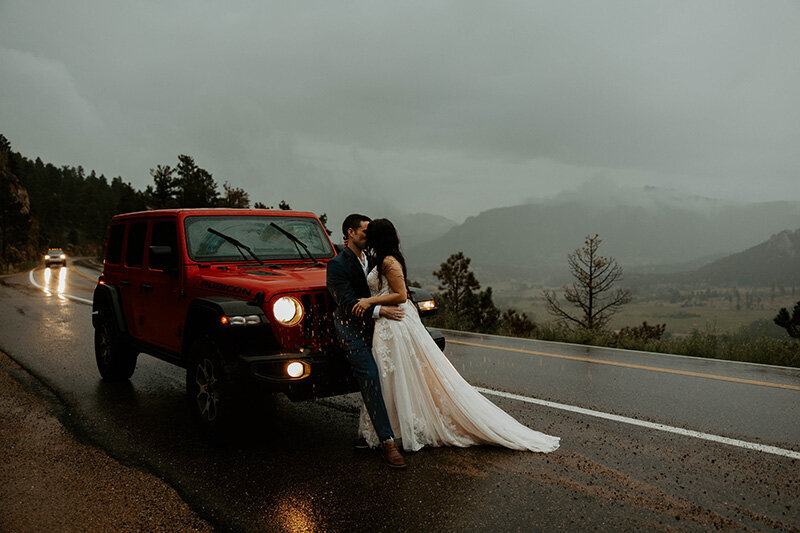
(347, 283)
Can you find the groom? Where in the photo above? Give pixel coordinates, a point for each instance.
(347, 282)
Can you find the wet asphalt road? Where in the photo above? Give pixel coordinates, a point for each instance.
(292, 467)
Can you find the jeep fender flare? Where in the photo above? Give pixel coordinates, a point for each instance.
(107, 297)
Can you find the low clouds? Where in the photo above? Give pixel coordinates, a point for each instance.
(452, 107)
(41, 95)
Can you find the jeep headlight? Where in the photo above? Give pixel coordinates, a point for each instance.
(288, 310)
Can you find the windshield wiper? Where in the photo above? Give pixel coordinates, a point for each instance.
(295, 240)
(239, 245)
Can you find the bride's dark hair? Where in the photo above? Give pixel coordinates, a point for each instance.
(382, 239)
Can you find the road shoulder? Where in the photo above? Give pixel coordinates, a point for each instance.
(53, 482)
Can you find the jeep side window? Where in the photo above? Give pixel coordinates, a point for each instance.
(164, 234)
(114, 255)
(134, 252)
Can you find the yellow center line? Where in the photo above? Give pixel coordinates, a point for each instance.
(631, 365)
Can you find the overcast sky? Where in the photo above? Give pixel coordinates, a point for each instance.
(442, 107)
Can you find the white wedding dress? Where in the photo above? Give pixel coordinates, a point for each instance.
(428, 402)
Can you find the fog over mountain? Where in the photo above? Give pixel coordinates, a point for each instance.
(640, 227)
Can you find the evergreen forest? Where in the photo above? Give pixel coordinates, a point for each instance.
(43, 205)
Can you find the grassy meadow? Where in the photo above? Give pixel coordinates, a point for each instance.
(682, 310)
(715, 322)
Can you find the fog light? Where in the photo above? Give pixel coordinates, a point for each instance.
(295, 369)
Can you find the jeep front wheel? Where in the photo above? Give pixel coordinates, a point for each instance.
(212, 396)
(116, 359)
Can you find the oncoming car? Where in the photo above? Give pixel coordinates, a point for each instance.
(237, 297)
(55, 256)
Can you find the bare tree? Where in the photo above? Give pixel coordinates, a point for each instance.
(592, 291)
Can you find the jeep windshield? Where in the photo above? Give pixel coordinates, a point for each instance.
(256, 232)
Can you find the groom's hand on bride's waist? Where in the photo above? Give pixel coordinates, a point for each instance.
(392, 312)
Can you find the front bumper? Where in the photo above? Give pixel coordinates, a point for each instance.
(324, 374)
(326, 371)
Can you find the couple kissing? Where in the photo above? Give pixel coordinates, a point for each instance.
(412, 394)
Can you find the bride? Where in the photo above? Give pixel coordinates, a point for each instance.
(428, 402)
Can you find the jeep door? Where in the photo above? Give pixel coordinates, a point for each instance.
(132, 276)
(163, 297)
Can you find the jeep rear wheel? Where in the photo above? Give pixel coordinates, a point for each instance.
(213, 399)
(116, 359)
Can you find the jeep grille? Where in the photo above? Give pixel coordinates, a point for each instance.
(318, 322)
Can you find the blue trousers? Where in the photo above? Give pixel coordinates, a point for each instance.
(356, 341)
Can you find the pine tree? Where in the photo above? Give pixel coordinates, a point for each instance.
(462, 304)
(162, 194)
(457, 282)
(790, 323)
(234, 197)
(196, 186)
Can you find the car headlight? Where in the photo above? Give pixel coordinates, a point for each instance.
(63, 256)
(288, 310)
(427, 305)
(46, 257)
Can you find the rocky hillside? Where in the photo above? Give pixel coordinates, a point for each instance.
(775, 261)
(15, 210)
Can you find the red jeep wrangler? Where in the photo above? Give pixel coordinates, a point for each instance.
(235, 296)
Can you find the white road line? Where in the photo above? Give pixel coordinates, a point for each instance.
(68, 296)
(650, 425)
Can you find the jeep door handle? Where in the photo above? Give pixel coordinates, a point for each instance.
(147, 287)
(125, 283)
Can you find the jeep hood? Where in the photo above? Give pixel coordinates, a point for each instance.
(249, 281)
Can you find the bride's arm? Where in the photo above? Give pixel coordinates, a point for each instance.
(393, 272)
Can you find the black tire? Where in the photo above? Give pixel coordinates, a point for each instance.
(213, 397)
(116, 359)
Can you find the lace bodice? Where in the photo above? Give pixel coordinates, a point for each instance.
(374, 279)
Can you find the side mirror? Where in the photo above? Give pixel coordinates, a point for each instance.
(163, 258)
(426, 306)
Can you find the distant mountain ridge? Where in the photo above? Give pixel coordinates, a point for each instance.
(533, 240)
(418, 228)
(776, 260)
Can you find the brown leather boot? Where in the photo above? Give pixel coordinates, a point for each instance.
(391, 455)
